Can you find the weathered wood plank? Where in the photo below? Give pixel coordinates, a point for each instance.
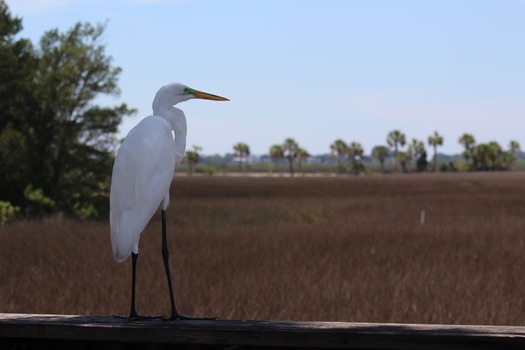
(261, 333)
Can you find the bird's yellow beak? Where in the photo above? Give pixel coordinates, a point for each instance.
(207, 96)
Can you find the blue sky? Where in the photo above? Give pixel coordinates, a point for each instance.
(314, 70)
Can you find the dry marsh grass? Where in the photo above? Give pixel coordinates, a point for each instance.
(330, 249)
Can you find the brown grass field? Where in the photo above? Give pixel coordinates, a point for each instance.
(324, 249)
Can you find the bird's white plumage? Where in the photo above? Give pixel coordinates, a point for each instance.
(142, 175)
(144, 167)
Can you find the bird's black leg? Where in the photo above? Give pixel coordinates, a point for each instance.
(133, 315)
(165, 255)
(133, 312)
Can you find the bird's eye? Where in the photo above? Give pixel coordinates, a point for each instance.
(188, 91)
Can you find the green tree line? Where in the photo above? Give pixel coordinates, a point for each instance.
(405, 156)
(476, 157)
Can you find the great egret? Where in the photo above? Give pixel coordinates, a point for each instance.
(142, 175)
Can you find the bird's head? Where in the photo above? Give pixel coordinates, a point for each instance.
(171, 94)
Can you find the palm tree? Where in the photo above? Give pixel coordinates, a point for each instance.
(192, 157)
(468, 141)
(241, 151)
(507, 160)
(301, 154)
(276, 154)
(514, 149)
(290, 151)
(339, 148)
(381, 153)
(403, 159)
(395, 139)
(417, 153)
(421, 162)
(494, 155)
(435, 140)
(355, 154)
(480, 156)
(488, 156)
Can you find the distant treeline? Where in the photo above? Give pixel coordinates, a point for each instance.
(351, 158)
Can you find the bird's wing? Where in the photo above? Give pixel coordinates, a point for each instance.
(142, 175)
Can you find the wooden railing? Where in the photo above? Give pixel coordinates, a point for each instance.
(26, 331)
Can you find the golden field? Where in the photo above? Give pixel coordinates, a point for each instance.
(327, 249)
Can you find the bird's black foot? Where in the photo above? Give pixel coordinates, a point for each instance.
(137, 317)
(144, 317)
(177, 317)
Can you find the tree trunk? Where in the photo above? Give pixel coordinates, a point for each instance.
(395, 157)
(290, 160)
(435, 157)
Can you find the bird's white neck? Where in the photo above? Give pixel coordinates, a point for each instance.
(177, 120)
(163, 106)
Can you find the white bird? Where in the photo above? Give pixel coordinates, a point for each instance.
(142, 176)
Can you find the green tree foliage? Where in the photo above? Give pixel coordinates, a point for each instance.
(417, 153)
(276, 154)
(53, 138)
(381, 153)
(421, 162)
(301, 154)
(468, 141)
(482, 155)
(488, 156)
(7, 212)
(491, 156)
(355, 155)
(396, 139)
(514, 147)
(17, 64)
(192, 158)
(241, 152)
(435, 140)
(338, 149)
(290, 148)
(403, 159)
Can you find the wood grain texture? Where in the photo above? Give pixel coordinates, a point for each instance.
(246, 334)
